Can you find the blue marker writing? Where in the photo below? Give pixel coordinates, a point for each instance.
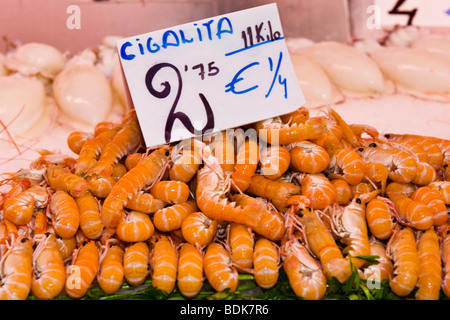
(276, 74)
(176, 38)
(123, 51)
(237, 78)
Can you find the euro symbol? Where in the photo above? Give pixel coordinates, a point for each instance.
(237, 78)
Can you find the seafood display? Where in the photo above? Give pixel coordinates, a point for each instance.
(72, 92)
(353, 72)
(404, 71)
(313, 207)
(43, 89)
(406, 61)
(311, 212)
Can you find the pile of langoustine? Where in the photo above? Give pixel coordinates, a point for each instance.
(320, 197)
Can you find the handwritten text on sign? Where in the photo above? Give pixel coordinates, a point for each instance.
(210, 75)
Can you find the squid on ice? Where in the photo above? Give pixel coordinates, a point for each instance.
(33, 58)
(414, 71)
(26, 111)
(353, 72)
(82, 91)
(433, 44)
(316, 86)
(413, 37)
(26, 108)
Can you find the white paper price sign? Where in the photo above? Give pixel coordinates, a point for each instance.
(425, 13)
(210, 75)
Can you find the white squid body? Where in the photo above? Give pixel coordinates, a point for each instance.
(352, 71)
(36, 59)
(436, 45)
(316, 86)
(416, 72)
(83, 92)
(25, 108)
(413, 37)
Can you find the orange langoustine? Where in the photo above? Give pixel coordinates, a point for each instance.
(122, 213)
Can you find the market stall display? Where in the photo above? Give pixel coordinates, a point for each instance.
(352, 200)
